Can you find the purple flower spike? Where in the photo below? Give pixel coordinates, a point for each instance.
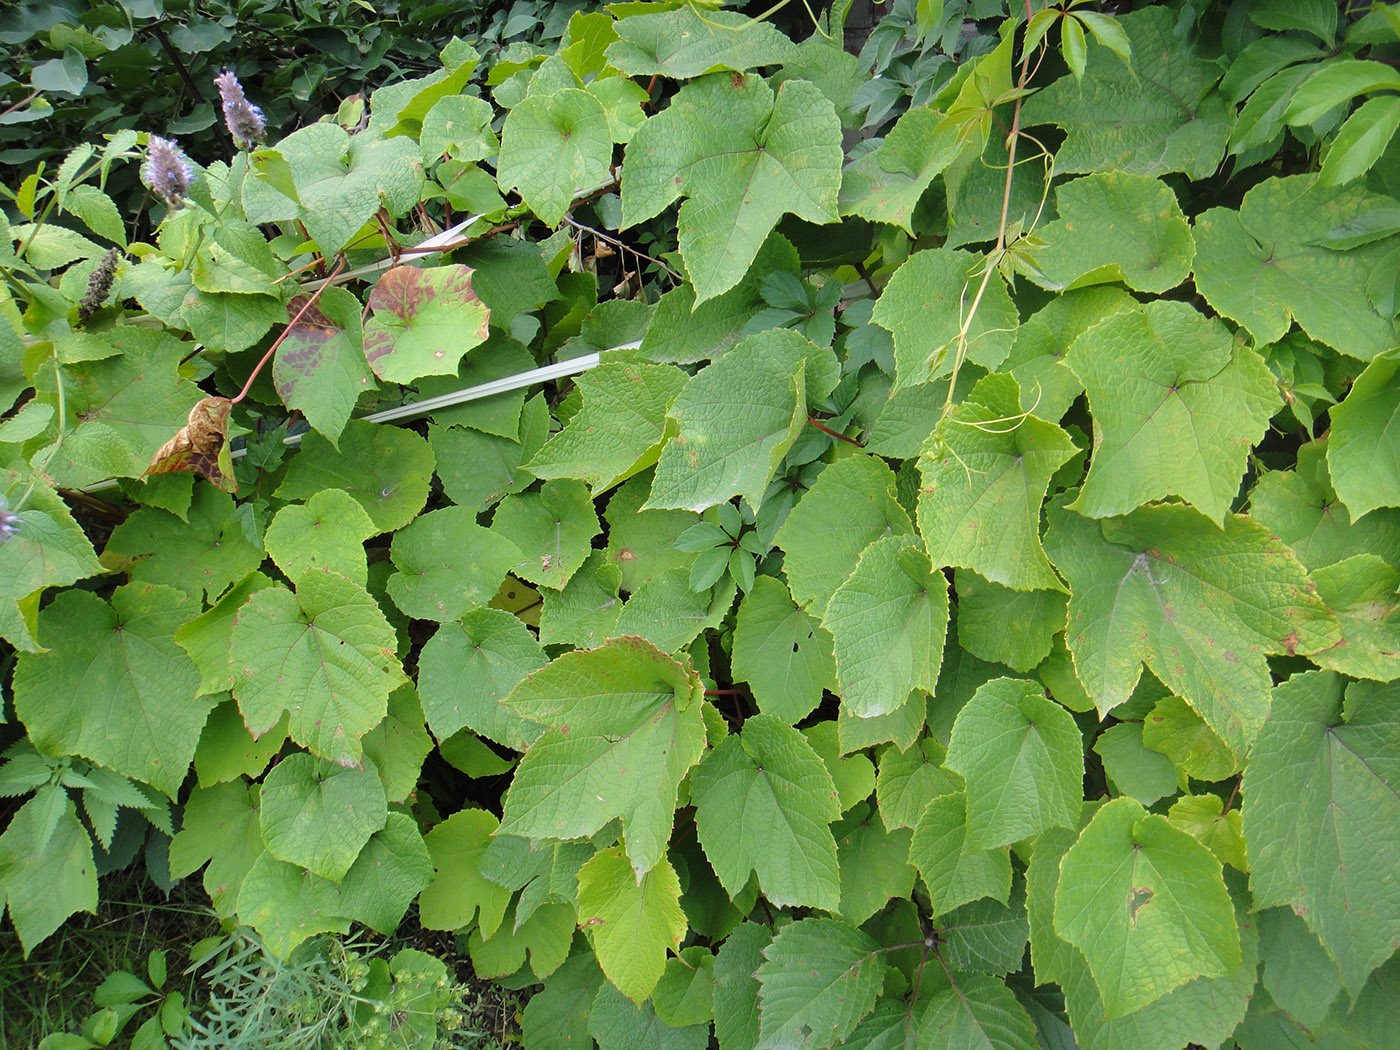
(167, 171)
(245, 121)
(9, 523)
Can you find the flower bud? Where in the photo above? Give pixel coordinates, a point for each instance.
(245, 121)
(167, 171)
(99, 285)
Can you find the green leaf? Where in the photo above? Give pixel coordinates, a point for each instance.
(46, 869)
(782, 652)
(499, 357)
(1146, 904)
(1360, 455)
(874, 863)
(684, 996)
(925, 305)
(327, 532)
(999, 625)
(424, 320)
(288, 905)
(1297, 972)
(459, 894)
(620, 428)
(953, 873)
(1335, 82)
(1177, 405)
(1321, 818)
(853, 775)
(320, 816)
(387, 470)
(47, 549)
(642, 543)
(448, 564)
(1156, 117)
(1264, 267)
(1204, 818)
(1047, 390)
(585, 612)
(203, 555)
(219, 827)
(763, 802)
(559, 1015)
(633, 919)
(736, 989)
(908, 779)
(885, 184)
(1361, 141)
(735, 196)
(851, 504)
(1301, 508)
(1010, 743)
(477, 470)
(687, 42)
(618, 1024)
(113, 672)
(818, 979)
(459, 127)
(1313, 16)
(977, 1011)
(624, 726)
(888, 622)
(1200, 606)
(398, 745)
(552, 528)
(1361, 591)
(326, 654)
(1176, 731)
(1133, 769)
(737, 418)
(986, 935)
(342, 180)
(468, 668)
(545, 936)
(983, 484)
(387, 875)
(553, 148)
(1136, 233)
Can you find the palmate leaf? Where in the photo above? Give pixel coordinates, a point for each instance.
(46, 867)
(1361, 454)
(1362, 592)
(1146, 904)
(624, 726)
(953, 873)
(448, 564)
(112, 677)
(1177, 404)
(553, 147)
(735, 987)
(424, 321)
(763, 803)
(818, 979)
(325, 653)
(977, 1012)
(319, 816)
(459, 895)
(782, 652)
(633, 921)
(320, 368)
(983, 484)
(328, 531)
(687, 42)
(1321, 817)
(735, 196)
(618, 1024)
(885, 184)
(1199, 605)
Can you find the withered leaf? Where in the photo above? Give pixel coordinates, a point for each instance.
(201, 445)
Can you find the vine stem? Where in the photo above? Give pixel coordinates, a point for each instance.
(310, 302)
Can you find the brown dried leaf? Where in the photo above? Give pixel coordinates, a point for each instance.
(201, 445)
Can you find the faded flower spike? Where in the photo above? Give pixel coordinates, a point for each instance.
(99, 286)
(245, 121)
(167, 171)
(9, 523)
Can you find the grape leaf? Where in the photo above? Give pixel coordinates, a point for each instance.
(326, 532)
(737, 418)
(874, 863)
(1361, 448)
(619, 1024)
(478, 469)
(424, 320)
(1200, 606)
(1139, 235)
(552, 528)
(620, 428)
(735, 196)
(320, 816)
(387, 875)
(1146, 904)
(1361, 591)
(203, 555)
(585, 612)
(1022, 758)
(818, 979)
(782, 652)
(953, 873)
(226, 749)
(983, 484)
(219, 827)
(908, 779)
(387, 470)
(1177, 405)
(559, 1014)
(1156, 117)
(999, 625)
(459, 894)
(326, 654)
(126, 652)
(1263, 266)
(1176, 731)
(448, 564)
(851, 504)
(736, 989)
(288, 905)
(763, 802)
(977, 1011)
(1047, 390)
(1204, 818)
(633, 921)
(1321, 817)
(553, 147)
(398, 744)
(624, 726)
(924, 307)
(320, 367)
(888, 622)
(885, 184)
(47, 549)
(468, 668)
(641, 543)
(1297, 972)
(46, 867)
(986, 935)
(1132, 768)
(545, 936)
(686, 42)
